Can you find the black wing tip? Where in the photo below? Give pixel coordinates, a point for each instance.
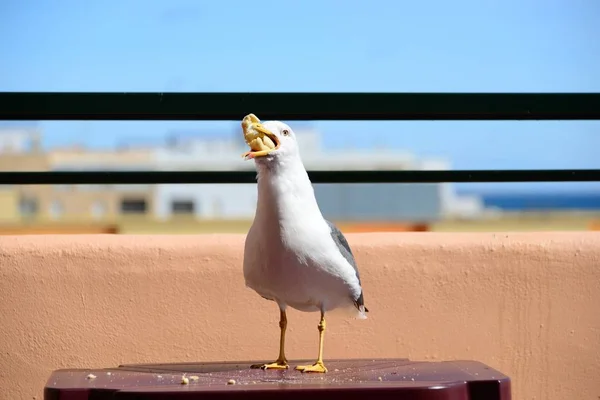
(360, 302)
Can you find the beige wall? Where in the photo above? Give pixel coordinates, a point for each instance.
(526, 304)
(9, 205)
(77, 205)
(83, 157)
(76, 200)
(24, 162)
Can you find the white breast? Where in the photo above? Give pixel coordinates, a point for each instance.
(290, 256)
(299, 268)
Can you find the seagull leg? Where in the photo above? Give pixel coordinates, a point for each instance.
(318, 366)
(281, 362)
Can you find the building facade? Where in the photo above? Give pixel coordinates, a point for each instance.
(346, 202)
(20, 150)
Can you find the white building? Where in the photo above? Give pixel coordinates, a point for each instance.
(346, 202)
(378, 201)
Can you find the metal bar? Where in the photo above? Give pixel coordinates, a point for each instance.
(195, 177)
(299, 106)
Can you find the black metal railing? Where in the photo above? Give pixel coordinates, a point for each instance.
(299, 106)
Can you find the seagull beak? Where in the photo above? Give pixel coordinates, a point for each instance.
(260, 139)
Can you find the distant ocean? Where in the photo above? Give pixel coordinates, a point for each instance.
(542, 201)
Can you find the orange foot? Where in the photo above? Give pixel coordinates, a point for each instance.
(279, 364)
(316, 367)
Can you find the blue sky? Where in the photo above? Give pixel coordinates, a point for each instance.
(327, 45)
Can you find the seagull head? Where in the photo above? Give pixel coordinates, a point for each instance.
(269, 140)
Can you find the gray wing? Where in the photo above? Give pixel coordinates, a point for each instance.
(344, 248)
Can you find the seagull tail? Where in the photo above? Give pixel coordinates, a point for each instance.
(360, 306)
(362, 312)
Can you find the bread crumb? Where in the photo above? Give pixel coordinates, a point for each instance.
(231, 382)
(185, 380)
(380, 379)
(194, 378)
(91, 376)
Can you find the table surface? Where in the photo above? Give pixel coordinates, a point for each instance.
(354, 379)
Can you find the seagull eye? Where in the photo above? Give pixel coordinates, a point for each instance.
(285, 132)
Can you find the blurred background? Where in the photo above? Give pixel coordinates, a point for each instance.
(270, 46)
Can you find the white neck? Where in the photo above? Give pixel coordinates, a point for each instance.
(284, 190)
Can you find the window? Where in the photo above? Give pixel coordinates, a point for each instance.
(28, 206)
(133, 206)
(182, 207)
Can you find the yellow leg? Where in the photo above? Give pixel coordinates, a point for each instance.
(318, 366)
(281, 362)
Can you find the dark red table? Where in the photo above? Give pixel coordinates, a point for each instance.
(398, 379)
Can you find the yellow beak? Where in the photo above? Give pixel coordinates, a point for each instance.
(260, 139)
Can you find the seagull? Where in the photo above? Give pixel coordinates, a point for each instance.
(292, 254)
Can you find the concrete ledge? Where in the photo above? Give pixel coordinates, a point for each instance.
(526, 304)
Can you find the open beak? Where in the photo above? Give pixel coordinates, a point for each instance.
(259, 138)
